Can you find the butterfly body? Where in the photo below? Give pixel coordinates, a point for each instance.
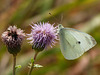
(74, 43)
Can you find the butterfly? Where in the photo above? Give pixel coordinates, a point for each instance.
(74, 43)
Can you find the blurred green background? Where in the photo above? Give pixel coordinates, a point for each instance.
(83, 15)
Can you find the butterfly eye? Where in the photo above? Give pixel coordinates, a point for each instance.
(60, 25)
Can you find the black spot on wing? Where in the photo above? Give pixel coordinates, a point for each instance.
(78, 42)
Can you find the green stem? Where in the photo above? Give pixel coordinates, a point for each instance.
(33, 63)
(14, 64)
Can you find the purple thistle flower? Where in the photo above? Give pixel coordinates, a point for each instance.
(13, 38)
(42, 35)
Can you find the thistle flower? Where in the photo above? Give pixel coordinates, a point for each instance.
(13, 38)
(42, 35)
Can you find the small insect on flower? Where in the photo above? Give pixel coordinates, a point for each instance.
(42, 35)
(13, 38)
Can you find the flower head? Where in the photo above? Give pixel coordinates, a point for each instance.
(42, 35)
(13, 38)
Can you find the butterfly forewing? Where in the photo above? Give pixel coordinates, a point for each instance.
(69, 48)
(74, 43)
(85, 40)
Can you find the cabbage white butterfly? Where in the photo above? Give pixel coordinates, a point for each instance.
(74, 43)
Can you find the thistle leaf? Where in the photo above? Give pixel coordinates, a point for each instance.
(18, 66)
(37, 65)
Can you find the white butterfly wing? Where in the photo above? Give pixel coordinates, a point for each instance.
(74, 43)
(86, 40)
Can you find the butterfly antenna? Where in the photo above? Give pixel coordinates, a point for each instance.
(61, 18)
(54, 18)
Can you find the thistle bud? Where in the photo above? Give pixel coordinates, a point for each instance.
(13, 38)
